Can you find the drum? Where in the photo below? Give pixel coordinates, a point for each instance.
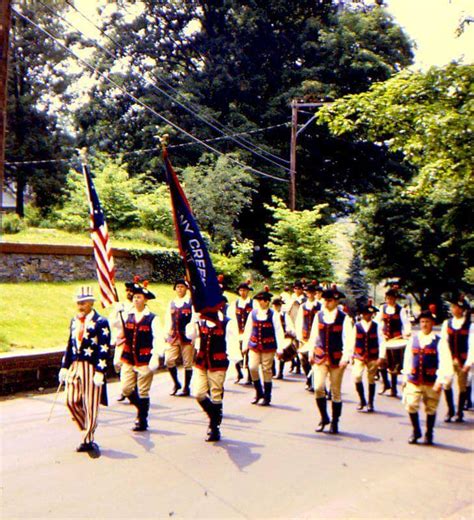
(288, 353)
(395, 351)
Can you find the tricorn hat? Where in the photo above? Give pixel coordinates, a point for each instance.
(264, 295)
(180, 281)
(425, 313)
(142, 289)
(368, 309)
(333, 294)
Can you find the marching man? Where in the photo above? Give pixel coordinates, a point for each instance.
(216, 338)
(396, 325)
(287, 324)
(427, 365)
(263, 337)
(369, 354)
(304, 321)
(116, 325)
(458, 332)
(140, 355)
(84, 365)
(240, 311)
(332, 336)
(179, 315)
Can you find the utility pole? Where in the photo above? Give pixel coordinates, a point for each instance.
(294, 128)
(5, 23)
(295, 106)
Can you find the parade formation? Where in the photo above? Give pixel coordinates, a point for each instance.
(310, 327)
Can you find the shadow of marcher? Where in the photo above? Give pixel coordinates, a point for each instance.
(114, 454)
(240, 453)
(144, 440)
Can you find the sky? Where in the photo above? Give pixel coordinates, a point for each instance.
(432, 25)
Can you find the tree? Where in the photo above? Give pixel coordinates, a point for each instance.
(33, 129)
(241, 65)
(420, 229)
(218, 191)
(356, 283)
(299, 245)
(121, 197)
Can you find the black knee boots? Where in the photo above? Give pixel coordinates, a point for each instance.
(188, 374)
(142, 418)
(336, 413)
(462, 400)
(240, 375)
(448, 394)
(386, 383)
(214, 412)
(415, 421)
(174, 375)
(430, 422)
(393, 385)
(360, 391)
(322, 407)
(370, 407)
(281, 366)
(258, 391)
(267, 394)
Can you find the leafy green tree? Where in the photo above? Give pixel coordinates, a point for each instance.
(428, 243)
(117, 193)
(299, 244)
(36, 86)
(218, 191)
(420, 230)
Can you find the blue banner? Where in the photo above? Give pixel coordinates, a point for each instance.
(206, 293)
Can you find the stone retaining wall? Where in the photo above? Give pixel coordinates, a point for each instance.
(51, 263)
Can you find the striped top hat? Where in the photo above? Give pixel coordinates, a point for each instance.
(85, 294)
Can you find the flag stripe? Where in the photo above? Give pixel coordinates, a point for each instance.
(101, 244)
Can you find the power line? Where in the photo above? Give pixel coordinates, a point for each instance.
(143, 150)
(213, 123)
(141, 103)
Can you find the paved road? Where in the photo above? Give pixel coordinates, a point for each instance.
(269, 464)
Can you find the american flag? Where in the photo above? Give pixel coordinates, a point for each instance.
(100, 239)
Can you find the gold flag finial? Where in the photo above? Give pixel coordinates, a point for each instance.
(83, 155)
(164, 140)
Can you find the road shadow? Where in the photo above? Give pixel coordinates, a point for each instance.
(240, 418)
(239, 452)
(326, 436)
(114, 454)
(166, 433)
(359, 436)
(144, 440)
(448, 447)
(233, 391)
(384, 413)
(284, 407)
(156, 406)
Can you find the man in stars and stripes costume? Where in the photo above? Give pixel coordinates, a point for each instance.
(84, 365)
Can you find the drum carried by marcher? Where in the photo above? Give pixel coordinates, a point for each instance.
(395, 352)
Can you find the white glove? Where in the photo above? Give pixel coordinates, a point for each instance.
(98, 379)
(118, 355)
(154, 363)
(62, 376)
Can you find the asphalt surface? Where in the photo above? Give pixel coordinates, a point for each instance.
(270, 462)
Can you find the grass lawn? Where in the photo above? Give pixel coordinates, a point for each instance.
(37, 314)
(132, 239)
